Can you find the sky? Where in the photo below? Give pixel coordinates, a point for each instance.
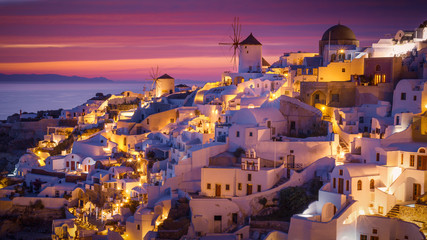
(122, 40)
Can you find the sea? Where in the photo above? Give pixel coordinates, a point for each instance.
(30, 97)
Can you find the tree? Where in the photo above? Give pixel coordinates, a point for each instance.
(293, 200)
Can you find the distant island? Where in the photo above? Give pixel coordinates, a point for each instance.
(49, 78)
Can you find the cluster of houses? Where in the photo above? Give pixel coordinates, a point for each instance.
(350, 117)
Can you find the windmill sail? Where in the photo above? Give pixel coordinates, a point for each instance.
(235, 40)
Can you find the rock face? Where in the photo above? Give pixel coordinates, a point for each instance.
(12, 148)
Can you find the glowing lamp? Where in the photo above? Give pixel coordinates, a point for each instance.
(323, 108)
(342, 51)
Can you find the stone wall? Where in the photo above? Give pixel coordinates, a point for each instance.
(417, 214)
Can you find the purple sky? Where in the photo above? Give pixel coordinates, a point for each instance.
(121, 40)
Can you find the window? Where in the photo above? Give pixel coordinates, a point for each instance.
(378, 157)
(341, 172)
(138, 227)
(239, 186)
(361, 119)
(250, 134)
(259, 188)
(372, 184)
(378, 68)
(217, 218)
(237, 134)
(374, 231)
(56, 193)
(227, 187)
(403, 96)
(172, 120)
(249, 177)
(415, 98)
(335, 97)
(422, 150)
(397, 120)
(401, 159)
(148, 121)
(334, 183)
(68, 164)
(292, 125)
(412, 160)
(359, 185)
(343, 70)
(208, 186)
(234, 217)
(363, 237)
(347, 185)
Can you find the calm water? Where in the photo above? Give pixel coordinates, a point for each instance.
(35, 97)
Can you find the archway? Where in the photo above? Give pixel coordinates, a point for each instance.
(318, 97)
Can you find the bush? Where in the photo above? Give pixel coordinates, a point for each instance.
(293, 200)
(263, 201)
(38, 204)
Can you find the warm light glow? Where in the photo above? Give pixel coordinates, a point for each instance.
(342, 51)
(323, 108)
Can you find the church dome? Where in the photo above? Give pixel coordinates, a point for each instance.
(339, 32)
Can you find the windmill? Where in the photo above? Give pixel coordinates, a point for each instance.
(154, 75)
(235, 40)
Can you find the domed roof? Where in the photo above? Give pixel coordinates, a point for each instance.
(339, 32)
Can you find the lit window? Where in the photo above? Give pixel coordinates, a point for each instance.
(359, 185)
(239, 186)
(372, 184)
(401, 159)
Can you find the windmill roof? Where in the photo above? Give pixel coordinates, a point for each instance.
(265, 63)
(165, 76)
(250, 40)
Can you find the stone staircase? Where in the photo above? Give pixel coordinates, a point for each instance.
(394, 212)
(344, 146)
(280, 182)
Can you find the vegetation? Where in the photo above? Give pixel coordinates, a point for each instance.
(38, 204)
(263, 201)
(64, 145)
(132, 205)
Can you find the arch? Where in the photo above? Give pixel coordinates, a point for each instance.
(422, 150)
(328, 212)
(371, 184)
(359, 185)
(318, 97)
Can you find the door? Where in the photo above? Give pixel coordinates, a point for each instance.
(417, 191)
(248, 189)
(340, 185)
(422, 163)
(217, 190)
(217, 224)
(73, 165)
